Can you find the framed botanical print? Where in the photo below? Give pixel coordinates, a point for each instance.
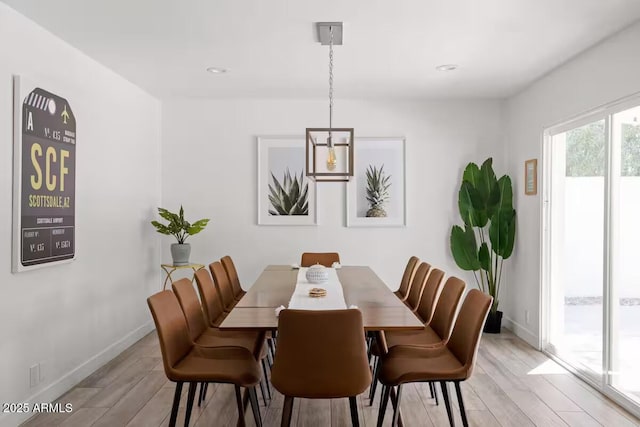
(376, 195)
(285, 195)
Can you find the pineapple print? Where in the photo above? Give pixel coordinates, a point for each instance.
(377, 191)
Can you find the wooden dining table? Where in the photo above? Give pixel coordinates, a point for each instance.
(381, 309)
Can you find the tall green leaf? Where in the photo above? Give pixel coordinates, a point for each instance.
(463, 248)
(505, 192)
(468, 204)
(484, 257)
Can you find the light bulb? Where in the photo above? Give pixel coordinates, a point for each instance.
(331, 159)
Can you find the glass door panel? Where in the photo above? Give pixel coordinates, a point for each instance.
(576, 260)
(625, 230)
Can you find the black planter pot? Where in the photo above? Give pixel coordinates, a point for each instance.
(493, 323)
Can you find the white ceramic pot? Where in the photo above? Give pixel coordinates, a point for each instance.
(317, 274)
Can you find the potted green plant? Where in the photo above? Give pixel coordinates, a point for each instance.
(489, 231)
(180, 229)
(377, 191)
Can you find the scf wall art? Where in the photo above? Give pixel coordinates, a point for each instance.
(44, 177)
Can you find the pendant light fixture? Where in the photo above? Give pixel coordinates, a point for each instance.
(329, 151)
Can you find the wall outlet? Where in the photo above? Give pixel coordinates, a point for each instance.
(527, 318)
(34, 375)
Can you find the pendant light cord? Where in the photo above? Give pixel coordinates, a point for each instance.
(330, 84)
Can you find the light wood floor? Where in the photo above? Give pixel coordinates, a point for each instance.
(513, 385)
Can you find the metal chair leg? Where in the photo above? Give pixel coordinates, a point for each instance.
(253, 398)
(241, 421)
(176, 403)
(266, 378)
(374, 381)
(434, 391)
(191, 396)
(447, 404)
(396, 409)
(353, 407)
(286, 411)
(264, 395)
(463, 412)
(384, 399)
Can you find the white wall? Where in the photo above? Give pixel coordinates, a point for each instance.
(602, 74)
(209, 166)
(74, 317)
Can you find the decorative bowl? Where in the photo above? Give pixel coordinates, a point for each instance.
(317, 274)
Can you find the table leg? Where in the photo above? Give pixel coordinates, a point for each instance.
(164, 285)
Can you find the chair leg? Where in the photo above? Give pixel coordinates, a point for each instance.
(374, 381)
(463, 412)
(286, 411)
(272, 348)
(176, 403)
(353, 406)
(241, 421)
(434, 391)
(384, 399)
(447, 404)
(253, 397)
(262, 392)
(266, 378)
(396, 409)
(191, 396)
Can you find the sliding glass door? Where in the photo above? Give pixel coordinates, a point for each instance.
(625, 253)
(592, 249)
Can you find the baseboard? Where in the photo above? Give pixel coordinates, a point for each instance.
(521, 332)
(72, 378)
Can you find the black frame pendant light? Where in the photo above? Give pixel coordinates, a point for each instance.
(329, 151)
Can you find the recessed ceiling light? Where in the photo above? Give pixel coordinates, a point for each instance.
(216, 70)
(447, 67)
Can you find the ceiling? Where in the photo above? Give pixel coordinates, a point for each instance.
(391, 47)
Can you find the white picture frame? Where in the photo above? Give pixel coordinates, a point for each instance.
(386, 152)
(277, 154)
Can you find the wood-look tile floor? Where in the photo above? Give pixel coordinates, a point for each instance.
(513, 385)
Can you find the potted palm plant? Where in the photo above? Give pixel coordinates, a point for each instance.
(180, 229)
(489, 231)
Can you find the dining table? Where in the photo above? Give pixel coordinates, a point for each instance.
(362, 289)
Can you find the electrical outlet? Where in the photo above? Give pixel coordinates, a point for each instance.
(527, 318)
(34, 375)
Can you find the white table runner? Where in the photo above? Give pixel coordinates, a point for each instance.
(334, 300)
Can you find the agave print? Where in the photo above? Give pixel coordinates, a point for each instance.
(289, 197)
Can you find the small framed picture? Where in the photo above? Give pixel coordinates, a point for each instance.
(531, 177)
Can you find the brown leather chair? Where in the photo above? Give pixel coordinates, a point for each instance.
(323, 258)
(425, 309)
(437, 331)
(185, 362)
(223, 285)
(211, 301)
(232, 274)
(451, 363)
(407, 277)
(207, 336)
(320, 355)
(430, 293)
(417, 286)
